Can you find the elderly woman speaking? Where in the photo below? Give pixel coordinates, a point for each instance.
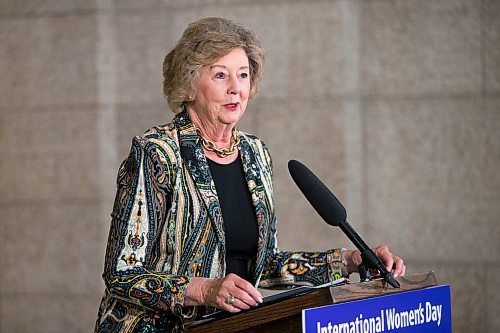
(193, 225)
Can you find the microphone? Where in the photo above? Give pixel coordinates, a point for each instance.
(334, 214)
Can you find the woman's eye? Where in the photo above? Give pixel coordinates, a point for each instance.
(220, 75)
(244, 75)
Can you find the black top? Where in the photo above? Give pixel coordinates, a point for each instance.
(238, 214)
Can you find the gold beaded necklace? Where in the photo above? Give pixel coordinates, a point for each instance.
(221, 152)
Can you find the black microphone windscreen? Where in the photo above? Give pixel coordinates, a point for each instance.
(320, 197)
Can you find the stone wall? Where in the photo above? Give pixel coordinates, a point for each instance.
(395, 104)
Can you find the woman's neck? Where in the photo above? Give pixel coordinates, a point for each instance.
(220, 134)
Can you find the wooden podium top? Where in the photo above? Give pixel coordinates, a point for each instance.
(286, 315)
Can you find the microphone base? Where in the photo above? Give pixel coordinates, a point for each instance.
(365, 276)
(364, 273)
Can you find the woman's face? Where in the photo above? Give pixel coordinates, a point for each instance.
(223, 89)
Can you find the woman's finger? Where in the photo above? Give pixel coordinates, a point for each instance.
(241, 292)
(243, 297)
(254, 296)
(239, 304)
(386, 256)
(229, 307)
(399, 267)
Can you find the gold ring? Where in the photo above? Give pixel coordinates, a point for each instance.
(230, 299)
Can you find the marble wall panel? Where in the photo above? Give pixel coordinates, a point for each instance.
(48, 60)
(173, 4)
(311, 132)
(469, 297)
(48, 313)
(492, 298)
(432, 184)
(421, 47)
(3, 226)
(40, 7)
(492, 45)
(53, 248)
(141, 43)
(49, 154)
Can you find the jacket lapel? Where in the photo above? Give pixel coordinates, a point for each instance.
(252, 167)
(196, 162)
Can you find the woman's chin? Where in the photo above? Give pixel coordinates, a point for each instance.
(231, 117)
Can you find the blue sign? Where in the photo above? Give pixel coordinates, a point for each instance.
(425, 310)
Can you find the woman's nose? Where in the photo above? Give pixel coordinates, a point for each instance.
(233, 86)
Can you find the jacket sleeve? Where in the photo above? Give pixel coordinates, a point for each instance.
(284, 269)
(142, 202)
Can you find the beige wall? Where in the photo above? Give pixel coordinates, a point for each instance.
(394, 103)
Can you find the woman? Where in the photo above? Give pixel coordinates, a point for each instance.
(193, 226)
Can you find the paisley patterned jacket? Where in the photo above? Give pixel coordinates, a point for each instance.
(167, 227)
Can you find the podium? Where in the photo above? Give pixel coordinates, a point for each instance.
(286, 315)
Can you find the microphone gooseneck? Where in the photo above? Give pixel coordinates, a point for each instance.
(333, 212)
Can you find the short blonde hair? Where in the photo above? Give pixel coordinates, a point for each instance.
(202, 43)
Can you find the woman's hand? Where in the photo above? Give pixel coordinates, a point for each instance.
(217, 292)
(393, 263)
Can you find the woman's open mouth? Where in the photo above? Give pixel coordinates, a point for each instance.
(231, 106)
